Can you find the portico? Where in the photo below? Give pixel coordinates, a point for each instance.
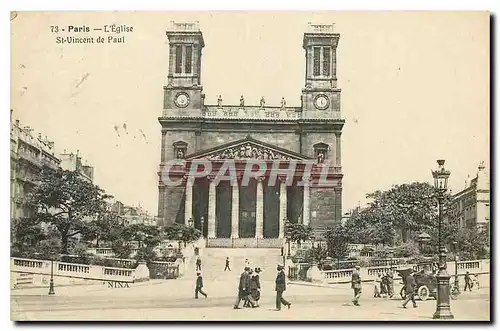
(252, 202)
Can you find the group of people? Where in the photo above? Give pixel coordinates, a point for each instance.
(384, 285)
(249, 288)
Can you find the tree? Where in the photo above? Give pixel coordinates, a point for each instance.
(405, 208)
(297, 232)
(472, 244)
(67, 201)
(337, 241)
(177, 231)
(106, 226)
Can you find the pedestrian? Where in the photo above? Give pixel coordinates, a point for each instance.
(227, 264)
(356, 285)
(247, 263)
(244, 289)
(383, 285)
(246, 302)
(199, 286)
(390, 283)
(255, 285)
(468, 282)
(198, 264)
(410, 287)
(280, 288)
(376, 289)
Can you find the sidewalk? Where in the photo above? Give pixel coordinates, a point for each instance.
(470, 309)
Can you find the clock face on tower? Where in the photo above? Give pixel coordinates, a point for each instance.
(181, 100)
(321, 102)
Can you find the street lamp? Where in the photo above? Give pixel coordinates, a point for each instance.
(455, 250)
(51, 286)
(179, 236)
(202, 220)
(443, 310)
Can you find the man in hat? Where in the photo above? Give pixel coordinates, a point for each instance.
(199, 286)
(410, 287)
(356, 285)
(198, 263)
(280, 288)
(244, 289)
(227, 264)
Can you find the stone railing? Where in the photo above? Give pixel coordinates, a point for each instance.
(251, 113)
(337, 275)
(27, 263)
(63, 269)
(245, 242)
(468, 265)
(370, 273)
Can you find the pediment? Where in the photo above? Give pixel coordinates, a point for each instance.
(247, 149)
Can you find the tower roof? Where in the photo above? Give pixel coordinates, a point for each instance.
(185, 29)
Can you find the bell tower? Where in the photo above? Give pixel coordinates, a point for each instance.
(320, 92)
(184, 90)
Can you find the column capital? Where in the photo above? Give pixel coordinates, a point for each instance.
(282, 178)
(338, 133)
(189, 179)
(260, 178)
(306, 180)
(337, 189)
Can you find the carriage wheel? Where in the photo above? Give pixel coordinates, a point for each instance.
(402, 293)
(423, 292)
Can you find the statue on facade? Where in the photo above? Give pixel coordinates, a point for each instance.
(283, 103)
(219, 102)
(262, 102)
(242, 102)
(321, 157)
(180, 154)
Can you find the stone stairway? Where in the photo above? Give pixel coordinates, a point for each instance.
(213, 263)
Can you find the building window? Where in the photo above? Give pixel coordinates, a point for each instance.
(178, 59)
(189, 58)
(316, 61)
(326, 61)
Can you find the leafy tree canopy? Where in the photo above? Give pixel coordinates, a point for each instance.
(66, 201)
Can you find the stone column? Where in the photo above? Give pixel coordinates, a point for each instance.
(163, 146)
(188, 202)
(306, 210)
(283, 205)
(259, 224)
(235, 211)
(338, 144)
(211, 208)
(338, 203)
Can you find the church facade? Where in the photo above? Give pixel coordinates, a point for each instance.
(239, 172)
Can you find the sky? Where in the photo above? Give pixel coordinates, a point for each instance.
(415, 88)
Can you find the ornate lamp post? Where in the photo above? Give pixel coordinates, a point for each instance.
(202, 226)
(179, 237)
(455, 250)
(443, 310)
(287, 236)
(51, 286)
